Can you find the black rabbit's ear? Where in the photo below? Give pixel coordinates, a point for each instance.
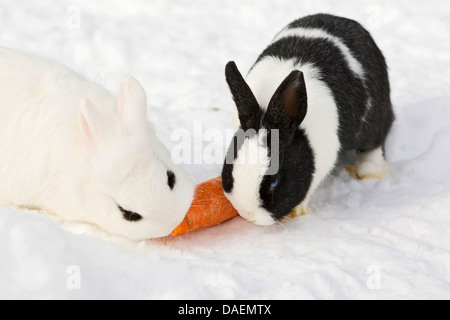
(288, 106)
(247, 106)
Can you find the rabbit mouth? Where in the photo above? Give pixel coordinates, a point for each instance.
(258, 218)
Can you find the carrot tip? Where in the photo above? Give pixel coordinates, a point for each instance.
(209, 208)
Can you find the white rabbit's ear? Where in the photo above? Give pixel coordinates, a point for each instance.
(93, 126)
(132, 104)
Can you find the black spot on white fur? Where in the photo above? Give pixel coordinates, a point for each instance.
(171, 179)
(130, 215)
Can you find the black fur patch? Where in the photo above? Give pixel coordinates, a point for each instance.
(248, 108)
(351, 93)
(130, 215)
(236, 144)
(171, 179)
(285, 112)
(295, 176)
(372, 132)
(228, 166)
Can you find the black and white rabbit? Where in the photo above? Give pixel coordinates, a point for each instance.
(323, 83)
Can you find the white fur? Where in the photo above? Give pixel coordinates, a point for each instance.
(320, 126)
(72, 149)
(371, 164)
(315, 33)
(250, 167)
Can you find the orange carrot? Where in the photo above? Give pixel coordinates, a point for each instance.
(209, 208)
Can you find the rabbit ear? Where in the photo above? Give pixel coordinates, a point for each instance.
(288, 106)
(132, 104)
(93, 125)
(247, 106)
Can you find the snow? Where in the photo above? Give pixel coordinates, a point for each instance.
(384, 239)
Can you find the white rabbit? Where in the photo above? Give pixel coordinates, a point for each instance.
(70, 148)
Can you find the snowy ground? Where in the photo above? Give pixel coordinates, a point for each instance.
(371, 239)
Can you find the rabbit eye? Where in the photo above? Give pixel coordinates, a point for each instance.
(130, 215)
(274, 183)
(171, 179)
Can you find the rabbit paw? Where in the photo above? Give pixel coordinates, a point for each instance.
(369, 165)
(299, 211)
